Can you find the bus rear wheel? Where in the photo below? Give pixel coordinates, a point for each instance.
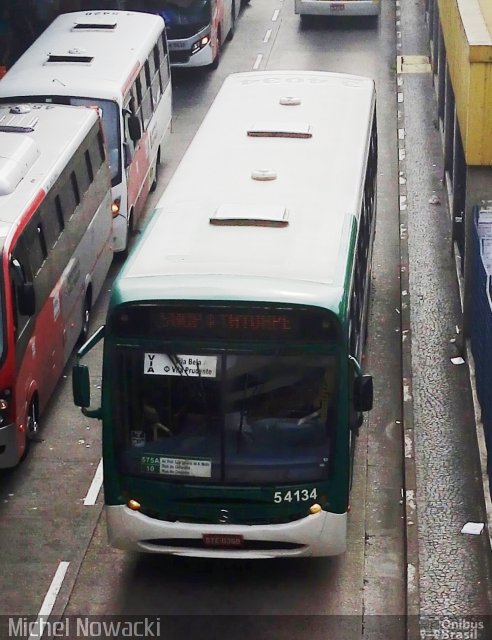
(230, 35)
(153, 184)
(32, 423)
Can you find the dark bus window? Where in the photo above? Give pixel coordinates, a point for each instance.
(75, 188)
(35, 245)
(102, 149)
(50, 222)
(88, 164)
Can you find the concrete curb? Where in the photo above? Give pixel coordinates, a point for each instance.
(410, 474)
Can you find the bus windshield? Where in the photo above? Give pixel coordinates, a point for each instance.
(186, 12)
(225, 417)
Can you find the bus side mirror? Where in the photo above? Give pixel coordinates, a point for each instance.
(134, 128)
(26, 299)
(363, 393)
(81, 386)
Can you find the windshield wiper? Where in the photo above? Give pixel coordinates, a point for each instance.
(177, 364)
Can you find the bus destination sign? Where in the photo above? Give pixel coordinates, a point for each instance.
(155, 321)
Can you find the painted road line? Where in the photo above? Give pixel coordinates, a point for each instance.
(258, 60)
(275, 15)
(49, 601)
(91, 497)
(267, 36)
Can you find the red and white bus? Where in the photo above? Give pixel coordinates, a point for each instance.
(55, 252)
(117, 61)
(196, 29)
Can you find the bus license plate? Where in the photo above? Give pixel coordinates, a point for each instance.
(339, 6)
(173, 46)
(222, 540)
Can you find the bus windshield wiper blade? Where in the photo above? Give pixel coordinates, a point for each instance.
(177, 364)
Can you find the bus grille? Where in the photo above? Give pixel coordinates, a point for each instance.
(248, 545)
(249, 521)
(179, 56)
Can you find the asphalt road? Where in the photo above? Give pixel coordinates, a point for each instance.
(52, 543)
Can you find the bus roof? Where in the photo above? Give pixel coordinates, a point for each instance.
(36, 143)
(85, 54)
(314, 184)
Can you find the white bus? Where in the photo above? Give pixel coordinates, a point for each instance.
(117, 61)
(231, 389)
(337, 8)
(55, 252)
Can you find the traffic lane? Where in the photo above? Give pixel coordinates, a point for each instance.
(129, 583)
(43, 518)
(341, 45)
(113, 582)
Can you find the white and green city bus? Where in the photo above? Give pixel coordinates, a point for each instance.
(231, 386)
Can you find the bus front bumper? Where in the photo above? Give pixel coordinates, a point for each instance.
(9, 446)
(331, 8)
(320, 534)
(183, 58)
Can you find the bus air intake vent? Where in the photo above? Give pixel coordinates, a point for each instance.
(290, 101)
(250, 215)
(73, 55)
(280, 130)
(18, 120)
(95, 25)
(264, 174)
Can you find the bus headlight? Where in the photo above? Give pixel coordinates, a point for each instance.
(199, 44)
(4, 406)
(315, 508)
(115, 207)
(134, 505)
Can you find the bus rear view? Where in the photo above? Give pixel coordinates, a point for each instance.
(232, 392)
(335, 8)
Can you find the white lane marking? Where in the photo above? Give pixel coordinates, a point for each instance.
(91, 497)
(275, 15)
(267, 36)
(49, 601)
(258, 60)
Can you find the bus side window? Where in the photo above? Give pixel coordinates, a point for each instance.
(82, 180)
(35, 244)
(49, 221)
(59, 214)
(88, 166)
(164, 70)
(102, 148)
(128, 111)
(154, 62)
(137, 95)
(19, 275)
(75, 188)
(146, 95)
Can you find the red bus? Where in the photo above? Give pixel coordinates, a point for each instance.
(56, 249)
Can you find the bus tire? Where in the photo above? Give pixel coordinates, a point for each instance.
(123, 255)
(86, 318)
(232, 30)
(153, 184)
(32, 424)
(306, 21)
(216, 61)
